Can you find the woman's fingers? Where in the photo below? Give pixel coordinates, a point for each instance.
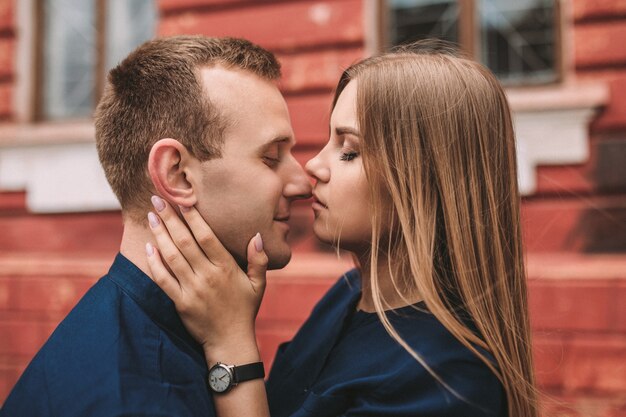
(179, 233)
(205, 237)
(169, 252)
(257, 264)
(161, 276)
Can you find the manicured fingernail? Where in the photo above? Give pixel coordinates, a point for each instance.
(158, 203)
(149, 249)
(153, 220)
(184, 209)
(258, 242)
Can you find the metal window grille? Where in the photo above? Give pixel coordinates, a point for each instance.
(411, 20)
(517, 39)
(80, 41)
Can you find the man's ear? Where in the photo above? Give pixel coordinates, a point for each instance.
(168, 165)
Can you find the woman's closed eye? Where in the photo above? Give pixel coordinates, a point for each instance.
(348, 155)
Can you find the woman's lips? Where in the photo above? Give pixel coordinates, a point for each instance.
(318, 205)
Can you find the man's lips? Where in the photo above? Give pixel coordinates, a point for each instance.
(283, 221)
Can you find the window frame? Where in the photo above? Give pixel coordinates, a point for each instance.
(38, 77)
(469, 37)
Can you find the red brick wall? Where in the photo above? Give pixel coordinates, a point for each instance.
(7, 51)
(574, 225)
(578, 310)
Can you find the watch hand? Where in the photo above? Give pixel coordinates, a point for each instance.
(223, 376)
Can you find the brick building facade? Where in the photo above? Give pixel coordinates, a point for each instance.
(57, 238)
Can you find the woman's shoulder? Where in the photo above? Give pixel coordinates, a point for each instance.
(347, 285)
(326, 317)
(451, 375)
(364, 359)
(341, 295)
(380, 377)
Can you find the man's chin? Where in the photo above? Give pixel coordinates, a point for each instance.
(278, 260)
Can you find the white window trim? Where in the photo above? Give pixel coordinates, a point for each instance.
(55, 163)
(552, 126)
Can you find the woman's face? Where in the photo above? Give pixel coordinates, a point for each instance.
(341, 197)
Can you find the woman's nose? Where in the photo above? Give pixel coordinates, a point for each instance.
(316, 168)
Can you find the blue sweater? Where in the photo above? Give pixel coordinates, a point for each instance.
(342, 362)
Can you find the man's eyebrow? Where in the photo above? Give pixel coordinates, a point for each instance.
(277, 140)
(347, 131)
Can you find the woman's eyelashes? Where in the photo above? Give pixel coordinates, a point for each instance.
(348, 155)
(348, 148)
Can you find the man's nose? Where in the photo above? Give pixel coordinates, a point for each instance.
(297, 185)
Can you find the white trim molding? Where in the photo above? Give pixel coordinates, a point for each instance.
(557, 137)
(552, 126)
(56, 164)
(57, 178)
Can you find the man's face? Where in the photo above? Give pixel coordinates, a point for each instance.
(250, 188)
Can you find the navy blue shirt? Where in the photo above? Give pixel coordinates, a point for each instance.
(342, 362)
(121, 351)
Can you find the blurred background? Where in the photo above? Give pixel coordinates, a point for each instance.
(563, 63)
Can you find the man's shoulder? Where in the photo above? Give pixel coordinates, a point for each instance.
(89, 332)
(68, 352)
(109, 355)
(93, 318)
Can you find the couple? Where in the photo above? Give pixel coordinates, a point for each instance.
(418, 180)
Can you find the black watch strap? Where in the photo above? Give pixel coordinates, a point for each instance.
(247, 372)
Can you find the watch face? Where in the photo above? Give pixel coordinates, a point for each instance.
(219, 378)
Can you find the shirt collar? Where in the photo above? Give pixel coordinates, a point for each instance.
(149, 296)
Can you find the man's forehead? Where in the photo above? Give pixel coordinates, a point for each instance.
(244, 98)
(219, 81)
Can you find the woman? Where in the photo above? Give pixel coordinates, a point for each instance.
(418, 181)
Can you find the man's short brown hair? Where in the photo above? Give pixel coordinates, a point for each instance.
(156, 93)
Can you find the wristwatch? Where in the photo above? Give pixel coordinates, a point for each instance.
(223, 377)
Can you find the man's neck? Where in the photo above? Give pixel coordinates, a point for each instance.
(133, 245)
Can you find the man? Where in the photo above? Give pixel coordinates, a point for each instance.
(198, 121)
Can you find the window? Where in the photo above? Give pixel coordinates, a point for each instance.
(518, 40)
(78, 41)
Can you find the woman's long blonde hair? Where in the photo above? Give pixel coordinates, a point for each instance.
(438, 142)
